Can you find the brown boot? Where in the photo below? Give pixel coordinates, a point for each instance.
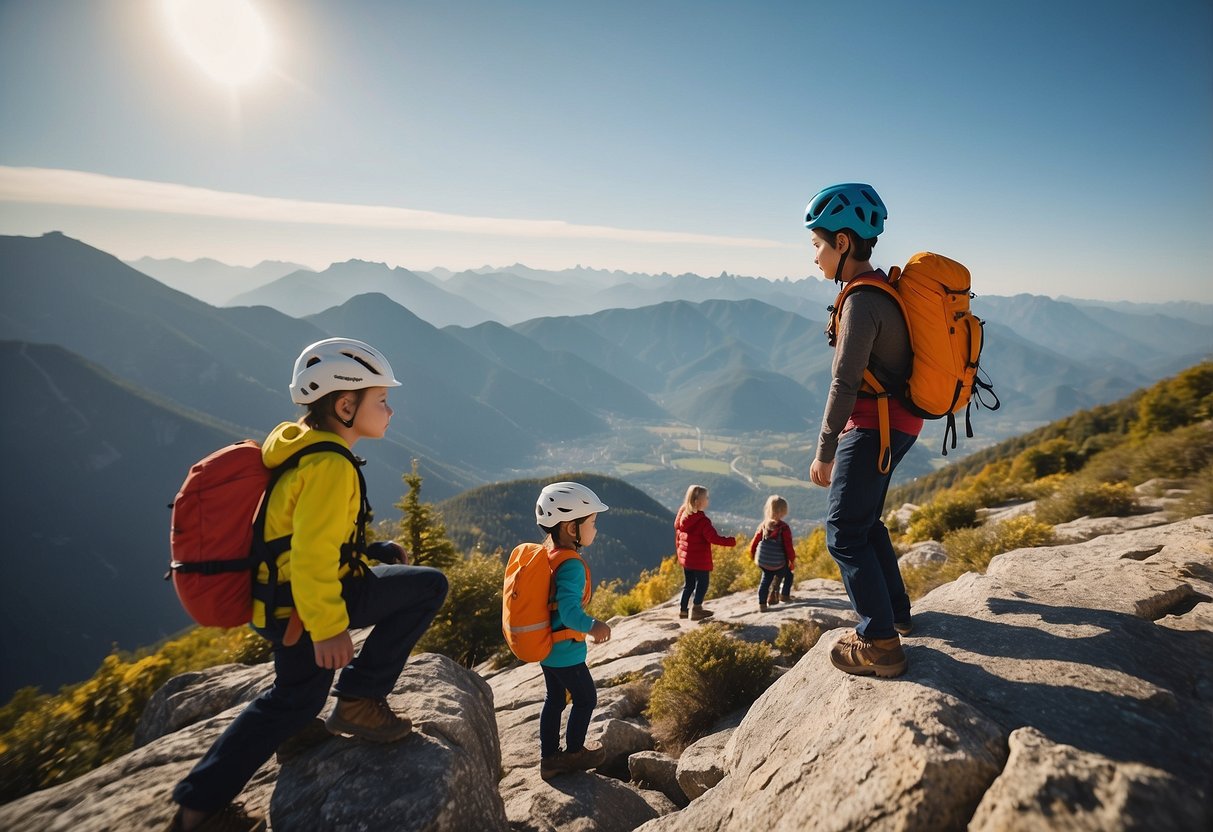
(881, 657)
(773, 598)
(762, 607)
(591, 755)
(368, 719)
(698, 613)
(683, 613)
(786, 597)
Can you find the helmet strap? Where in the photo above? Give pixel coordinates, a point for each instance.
(841, 260)
(350, 422)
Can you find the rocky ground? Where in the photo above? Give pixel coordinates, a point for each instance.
(1070, 686)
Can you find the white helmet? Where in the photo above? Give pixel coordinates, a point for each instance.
(338, 364)
(562, 501)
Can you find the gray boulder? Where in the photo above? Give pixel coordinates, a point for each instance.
(1100, 649)
(923, 554)
(442, 777)
(701, 765)
(654, 770)
(192, 697)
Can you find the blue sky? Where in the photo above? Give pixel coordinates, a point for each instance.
(1060, 148)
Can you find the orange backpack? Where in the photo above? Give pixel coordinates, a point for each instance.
(528, 600)
(946, 339)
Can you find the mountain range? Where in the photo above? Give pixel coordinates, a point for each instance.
(689, 387)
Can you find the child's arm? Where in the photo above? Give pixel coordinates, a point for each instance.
(754, 542)
(788, 548)
(570, 589)
(713, 537)
(323, 517)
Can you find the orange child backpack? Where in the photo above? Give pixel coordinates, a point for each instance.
(528, 599)
(946, 340)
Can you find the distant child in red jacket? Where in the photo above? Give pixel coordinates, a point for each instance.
(695, 536)
(772, 550)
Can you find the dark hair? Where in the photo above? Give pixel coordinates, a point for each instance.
(550, 531)
(861, 249)
(324, 408)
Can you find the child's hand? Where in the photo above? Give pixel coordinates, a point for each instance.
(336, 652)
(600, 632)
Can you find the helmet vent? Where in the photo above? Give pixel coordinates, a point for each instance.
(313, 361)
(363, 362)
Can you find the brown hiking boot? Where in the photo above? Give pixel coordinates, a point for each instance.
(786, 597)
(590, 756)
(698, 613)
(881, 657)
(683, 613)
(231, 818)
(903, 628)
(762, 607)
(773, 598)
(368, 719)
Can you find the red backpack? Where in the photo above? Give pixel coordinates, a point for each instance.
(218, 533)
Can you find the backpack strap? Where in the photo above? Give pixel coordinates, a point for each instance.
(555, 561)
(884, 462)
(272, 594)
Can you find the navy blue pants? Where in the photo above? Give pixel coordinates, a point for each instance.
(399, 601)
(857, 538)
(696, 584)
(576, 680)
(772, 579)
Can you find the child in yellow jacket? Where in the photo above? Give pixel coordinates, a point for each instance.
(324, 581)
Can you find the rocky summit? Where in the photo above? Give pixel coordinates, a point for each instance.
(1068, 687)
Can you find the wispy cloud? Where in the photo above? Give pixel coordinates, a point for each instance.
(94, 190)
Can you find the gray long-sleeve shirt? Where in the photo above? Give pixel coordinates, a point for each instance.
(871, 334)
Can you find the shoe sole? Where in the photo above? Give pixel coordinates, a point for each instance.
(337, 726)
(883, 671)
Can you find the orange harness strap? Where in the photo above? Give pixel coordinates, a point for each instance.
(885, 462)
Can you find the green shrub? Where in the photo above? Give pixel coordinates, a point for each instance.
(733, 570)
(795, 638)
(49, 739)
(1198, 500)
(1176, 455)
(1083, 498)
(468, 627)
(1053, 456)
(971, 550)
(813, 559)
(707, 675)
(942, 515)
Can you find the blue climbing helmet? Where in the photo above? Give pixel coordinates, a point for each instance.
(850, 205)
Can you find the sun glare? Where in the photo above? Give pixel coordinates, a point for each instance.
(227, 39)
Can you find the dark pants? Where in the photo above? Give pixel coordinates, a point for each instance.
(771, 581)
(576, 680)
(697, 584)
(769, 577)
(856, 536)
(399, 601)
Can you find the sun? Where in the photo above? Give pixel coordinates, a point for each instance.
(227, 39)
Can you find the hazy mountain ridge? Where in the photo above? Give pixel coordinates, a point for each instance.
(211, 281)
(636, 533)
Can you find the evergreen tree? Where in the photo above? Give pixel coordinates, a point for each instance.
(422, 529)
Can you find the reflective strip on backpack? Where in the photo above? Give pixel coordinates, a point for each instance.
(530, 628)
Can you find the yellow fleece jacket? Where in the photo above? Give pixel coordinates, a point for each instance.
(317, 504)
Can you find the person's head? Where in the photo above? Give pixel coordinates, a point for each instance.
(776, 509)
(697, 499)
(567, 513)
(845, 220)
(343, 384)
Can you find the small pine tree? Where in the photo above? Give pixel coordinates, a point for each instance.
(422, 529)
